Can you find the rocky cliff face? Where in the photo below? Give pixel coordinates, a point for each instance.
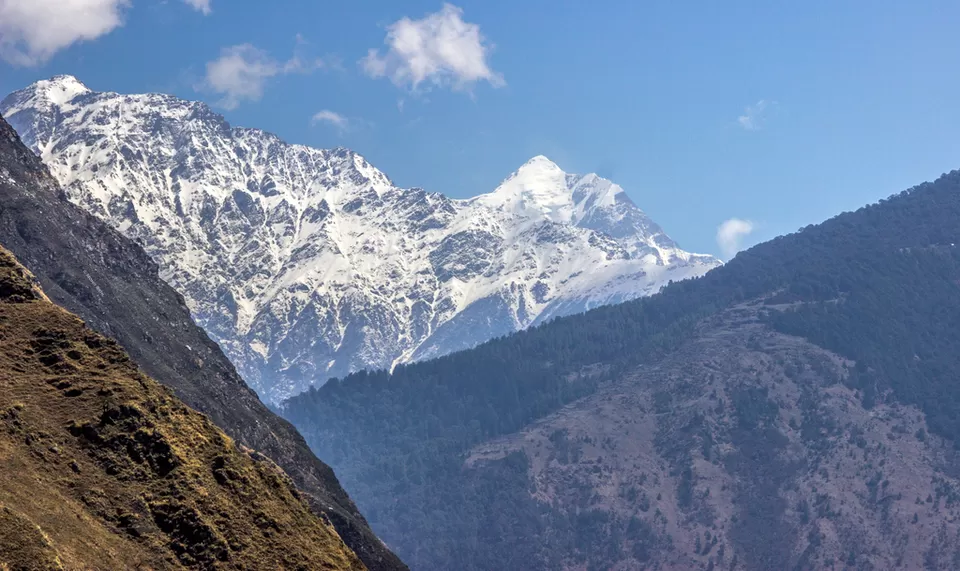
(305, 264)
(111, 283)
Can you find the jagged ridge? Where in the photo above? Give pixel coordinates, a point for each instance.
(305, 264)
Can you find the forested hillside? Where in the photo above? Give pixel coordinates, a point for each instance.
(877, 291)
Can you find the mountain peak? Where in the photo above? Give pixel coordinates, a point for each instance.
(57, 91)
(540, 162)
(61, 89)
(539, 186)
(64, 78)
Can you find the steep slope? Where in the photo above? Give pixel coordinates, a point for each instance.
(102, 467)
(306, 264)
(113, 285)
(794, 409)
(743, 449)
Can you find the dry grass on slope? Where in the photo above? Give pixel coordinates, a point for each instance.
(103, 468)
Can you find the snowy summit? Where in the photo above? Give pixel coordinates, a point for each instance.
(305, 264)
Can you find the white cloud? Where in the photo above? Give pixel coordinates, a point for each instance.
(440, 48)
(331, 117)
(241, 72)
(730, 235)
(755, 116)
(201, 5)
(32, 31)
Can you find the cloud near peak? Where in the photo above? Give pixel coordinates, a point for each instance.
(241, 72)
(440, 49)
(730, 235)
(331, 118)
(32, 31)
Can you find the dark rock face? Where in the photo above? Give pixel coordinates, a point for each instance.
(112, 284)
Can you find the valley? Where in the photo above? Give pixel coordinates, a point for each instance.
(479, 286)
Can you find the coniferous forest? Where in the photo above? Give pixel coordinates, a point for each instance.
(879, 286)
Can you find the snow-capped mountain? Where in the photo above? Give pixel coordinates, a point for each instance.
(305, 264)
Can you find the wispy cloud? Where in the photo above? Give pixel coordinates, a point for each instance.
(331, 118)
(241, 72)
(32, 31)
(200, 5)
(440, 49)
(730, 235)
(755, 116)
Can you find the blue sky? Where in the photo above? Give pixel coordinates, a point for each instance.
(777, 113)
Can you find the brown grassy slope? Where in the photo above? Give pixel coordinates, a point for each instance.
(103, 468)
